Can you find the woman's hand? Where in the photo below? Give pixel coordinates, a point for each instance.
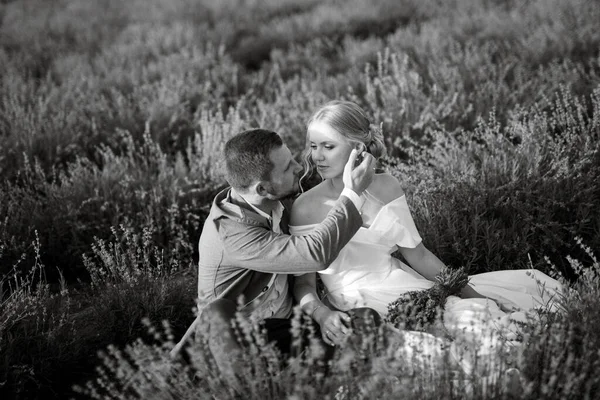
(468, 292)
(505, 305)
(335, 325)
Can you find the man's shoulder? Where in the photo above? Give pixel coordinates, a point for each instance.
(224, 211)
(221, 214)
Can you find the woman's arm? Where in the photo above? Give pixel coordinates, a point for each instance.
(308, 209)
(387, 188)
(429, 266)
(335, 325)
(423, 261)
(305, 292)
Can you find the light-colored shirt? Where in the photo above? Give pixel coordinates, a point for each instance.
(274, 301)
(355, 198)
(242, 252)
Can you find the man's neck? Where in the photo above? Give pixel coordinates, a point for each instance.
(265, 205)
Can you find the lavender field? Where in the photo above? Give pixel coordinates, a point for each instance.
(113, 115)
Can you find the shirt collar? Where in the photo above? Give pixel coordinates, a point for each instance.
(276, 215)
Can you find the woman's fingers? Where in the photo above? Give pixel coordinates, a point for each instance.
(336, 328)
(507, 308)
(326, 339)
(346, 323)
(339, 322)
(330, 338)
(333, 338)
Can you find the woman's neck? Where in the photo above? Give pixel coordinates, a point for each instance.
(336, 185)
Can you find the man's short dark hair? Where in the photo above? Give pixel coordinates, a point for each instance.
(247, 157)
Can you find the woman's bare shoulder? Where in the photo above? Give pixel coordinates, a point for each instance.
(386, 188)
(310, 207)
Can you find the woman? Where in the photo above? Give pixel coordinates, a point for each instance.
(365, 274)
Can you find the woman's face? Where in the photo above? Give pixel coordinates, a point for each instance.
(329, 149)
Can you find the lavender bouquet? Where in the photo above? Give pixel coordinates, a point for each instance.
(419, 309)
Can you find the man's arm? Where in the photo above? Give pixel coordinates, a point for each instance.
(262, 250)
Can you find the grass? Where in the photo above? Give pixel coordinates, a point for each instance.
(113, 114)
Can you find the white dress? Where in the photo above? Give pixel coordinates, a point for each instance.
(366, 275)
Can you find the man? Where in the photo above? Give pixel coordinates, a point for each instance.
(245, 248)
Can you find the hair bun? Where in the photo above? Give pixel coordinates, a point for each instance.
(376, 146)
(376, 130)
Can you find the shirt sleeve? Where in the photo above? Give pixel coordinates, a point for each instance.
(355, 198)
(260, 249)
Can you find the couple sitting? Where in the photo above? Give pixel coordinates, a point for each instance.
(345, 229)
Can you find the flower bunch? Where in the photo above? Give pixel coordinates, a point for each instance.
(417, 310)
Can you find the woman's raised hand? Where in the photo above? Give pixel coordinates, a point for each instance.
(335, 326)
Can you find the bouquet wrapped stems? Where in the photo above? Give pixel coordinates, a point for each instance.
(418, 310)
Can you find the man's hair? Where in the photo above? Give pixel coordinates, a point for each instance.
(247, 157)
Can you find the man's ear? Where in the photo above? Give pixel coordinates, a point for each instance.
(261, 188)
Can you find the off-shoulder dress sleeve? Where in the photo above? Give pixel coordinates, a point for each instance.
(395, 223)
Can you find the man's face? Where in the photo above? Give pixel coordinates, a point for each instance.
(284, 175)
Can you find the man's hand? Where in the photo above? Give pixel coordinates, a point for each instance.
(335, 326)
(359, 178)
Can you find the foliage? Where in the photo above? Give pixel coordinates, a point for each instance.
(140, 370)
(113, 115)
(552, 358)
(512, 193)
(36, 327)
(557, 358)
(43, 333)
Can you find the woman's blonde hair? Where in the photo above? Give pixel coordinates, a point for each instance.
(350, 121)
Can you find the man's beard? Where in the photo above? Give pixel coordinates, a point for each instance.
(289, 195)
